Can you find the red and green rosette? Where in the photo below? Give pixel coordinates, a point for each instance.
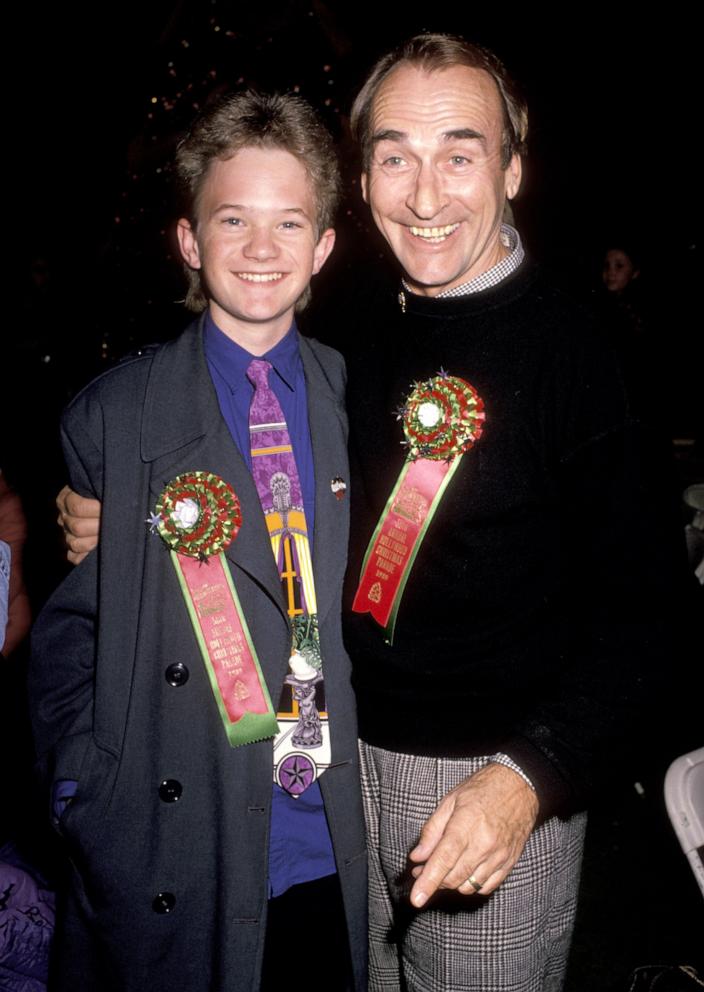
(198, 514)
(442, 419)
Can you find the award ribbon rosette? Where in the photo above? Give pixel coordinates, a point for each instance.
(442, 419)
(198, 515)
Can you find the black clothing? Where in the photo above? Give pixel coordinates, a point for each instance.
(533, 616)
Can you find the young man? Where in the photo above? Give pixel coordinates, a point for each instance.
(203, 858)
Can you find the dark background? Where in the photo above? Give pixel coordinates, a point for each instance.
(103, 93)
(98, 98)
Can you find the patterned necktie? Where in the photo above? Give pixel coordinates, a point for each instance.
(302, 746)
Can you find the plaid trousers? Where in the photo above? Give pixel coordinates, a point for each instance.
(515, 940)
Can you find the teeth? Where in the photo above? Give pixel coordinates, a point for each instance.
(260, 276)
(434, 233)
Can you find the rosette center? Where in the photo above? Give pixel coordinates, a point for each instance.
(429, 414)
(186, 513)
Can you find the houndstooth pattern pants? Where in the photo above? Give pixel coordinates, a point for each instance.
(514, 940)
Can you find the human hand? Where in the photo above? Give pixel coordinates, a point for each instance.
(479, 830)
(79, 518)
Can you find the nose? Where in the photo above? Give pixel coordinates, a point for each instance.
(261, 244)
(426, 197)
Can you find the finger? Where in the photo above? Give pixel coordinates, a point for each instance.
(79, 545)
(473, 885)
(484, 878)
(449, 856)
(76, 559)
(489, 874)
(61, 502)
(83, 528)
(432, 832)
(494, 880)
(82, 506)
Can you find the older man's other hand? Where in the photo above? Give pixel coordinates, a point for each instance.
(478, 831)
(79, 518)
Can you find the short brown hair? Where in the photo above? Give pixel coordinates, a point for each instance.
(441, 51)
(262, 120)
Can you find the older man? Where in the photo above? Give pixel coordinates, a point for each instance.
(499, 623)
(495, 676)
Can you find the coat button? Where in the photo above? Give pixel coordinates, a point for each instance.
(170, 790)
(163, 902)
(177, 674)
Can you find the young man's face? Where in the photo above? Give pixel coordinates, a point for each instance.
(435, 184)
(256, 243)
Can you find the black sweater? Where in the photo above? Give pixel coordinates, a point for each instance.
(534, 615)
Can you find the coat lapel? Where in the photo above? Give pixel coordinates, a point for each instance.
(183, 430)
(328, 422)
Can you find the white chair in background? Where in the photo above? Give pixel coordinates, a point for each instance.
(684, 798)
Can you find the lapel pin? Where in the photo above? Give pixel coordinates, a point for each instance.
(338, 486)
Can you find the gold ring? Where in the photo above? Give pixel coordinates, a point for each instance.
(474, 883)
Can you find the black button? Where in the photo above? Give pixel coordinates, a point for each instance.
(177, 674)
(170, 790)
(164, 902)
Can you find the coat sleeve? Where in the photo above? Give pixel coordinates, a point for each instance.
(62, 668)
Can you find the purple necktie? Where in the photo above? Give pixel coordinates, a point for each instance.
(302, 747)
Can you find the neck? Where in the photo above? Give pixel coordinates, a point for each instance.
(497, 255)
(256, 338)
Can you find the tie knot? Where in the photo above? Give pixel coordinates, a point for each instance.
(258, 372)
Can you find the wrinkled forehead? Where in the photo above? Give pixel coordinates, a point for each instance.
(452, 98)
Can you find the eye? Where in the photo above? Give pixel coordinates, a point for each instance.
(460, 160)
(232, 221)
(393, 161)
(291, 225)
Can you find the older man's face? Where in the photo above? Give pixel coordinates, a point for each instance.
(435, 185)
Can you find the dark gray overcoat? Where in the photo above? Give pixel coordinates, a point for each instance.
(172, 894)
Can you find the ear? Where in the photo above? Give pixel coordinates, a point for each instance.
(364, 182)
(323, 248)
(188, 243)
(514, 171)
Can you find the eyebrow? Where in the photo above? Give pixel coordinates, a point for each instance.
(465, 134)
(457, 134)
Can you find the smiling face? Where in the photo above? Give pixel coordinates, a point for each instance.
(435, 183)
(255, 242)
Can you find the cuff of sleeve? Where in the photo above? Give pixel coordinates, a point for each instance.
(556, 794)
(503, 759)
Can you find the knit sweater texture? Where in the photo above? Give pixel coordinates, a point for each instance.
(535, 613)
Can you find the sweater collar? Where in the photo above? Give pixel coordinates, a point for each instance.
(511, 287)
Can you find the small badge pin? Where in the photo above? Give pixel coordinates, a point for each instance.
(338, 486)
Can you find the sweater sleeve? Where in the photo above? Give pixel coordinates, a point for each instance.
(623, 578)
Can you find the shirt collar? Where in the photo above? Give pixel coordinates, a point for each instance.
(511, 239)
(232, 360)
